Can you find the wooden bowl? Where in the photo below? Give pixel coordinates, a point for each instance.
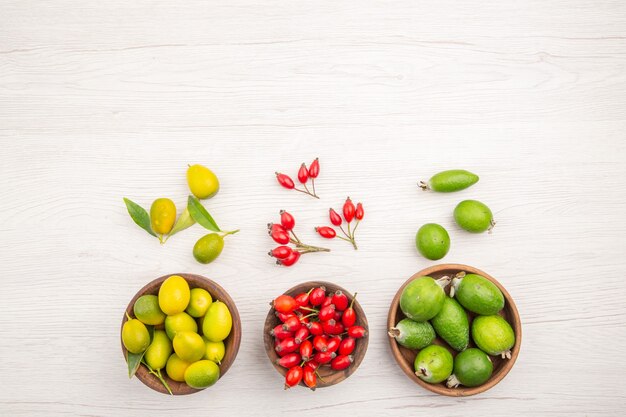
(329, 376)
(231, 342)
(406, 357)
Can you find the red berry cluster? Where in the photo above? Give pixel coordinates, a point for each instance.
(350, 212)
(283, 234)
(304, 174)
(317, 329)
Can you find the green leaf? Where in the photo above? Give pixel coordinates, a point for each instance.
(183, 222)
(134, 359)
(200, 215)
(139, 215)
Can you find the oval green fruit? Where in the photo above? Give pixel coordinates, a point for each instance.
(147, 310)
(217, 322)
(199, 302)
(162, 215)
(208, 248)
(135, 336)
(449, 181)
(159, 351)
(423, 297)
(433, 364)
(174, 295)
(180, 322)
(432, 241)
(473, 216)
(494, 335)
(176, 368)
(477, 294)
(203, 183)
(452, 324)
(189, 346)
(472, 368)
(202, 374)
(215, 351)
(413, 335)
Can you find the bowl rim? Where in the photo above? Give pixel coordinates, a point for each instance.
(362, 319)
(438, 388)
(142, 373)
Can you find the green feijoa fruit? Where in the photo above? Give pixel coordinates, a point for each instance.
(202, 374)
(494, 335)
(147, 310)
(472, 368)
(433, 364)
(208, 248)
(135, 336)
(159, 350)
(452, 324)
(477, 294)
(413, 335)
(449, 181)
(473, 216)
(423, 297)
(432, 241)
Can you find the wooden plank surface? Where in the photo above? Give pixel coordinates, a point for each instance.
(100, 100)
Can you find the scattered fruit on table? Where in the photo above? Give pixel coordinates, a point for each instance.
(432, 241)
(430, 312)
(474, 216)
(163, 223)
(350, 212)
(449, 181)
(318, 329)
(304, 174)
(283, 234)
(203, 183)
(180, 350)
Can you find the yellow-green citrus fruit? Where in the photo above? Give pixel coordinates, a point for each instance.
(181, 322)
(202, 374)
(176, 368)
(174, 295)
(189, 346)
(147, 310)
(135, 336)
(159, 350)
(203, 183)
(162, 215)
(215, 351)
(199, 302)
(208, 248)
(217, 322)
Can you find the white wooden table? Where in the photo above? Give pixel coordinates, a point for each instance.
(100, 100)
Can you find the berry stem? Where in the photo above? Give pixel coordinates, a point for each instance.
(232, 232)
(309, 248)
(294, 236)
(313, 185)
(355, 226)
(306, 192)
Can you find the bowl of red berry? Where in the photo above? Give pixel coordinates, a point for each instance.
(315, 334)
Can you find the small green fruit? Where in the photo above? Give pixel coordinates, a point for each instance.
(208, 248)
(199, 302)
(449, 181)
(432, 241)
(203, 183)
(159, 351)
(147, 310)
(472, 368)
(215, 351)
(202, 374)
(494, 335)
(413, 335)
(473, 216)
(189, 346)
(452, 324)
(477, 294)
(423, 297)
(135, 336)
(217, 322)
(433, 364)
(180, 322)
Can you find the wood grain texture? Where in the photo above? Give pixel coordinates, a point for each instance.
(406, 357)
(100, 100)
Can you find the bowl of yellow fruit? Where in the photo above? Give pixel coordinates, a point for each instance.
(180, 334)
